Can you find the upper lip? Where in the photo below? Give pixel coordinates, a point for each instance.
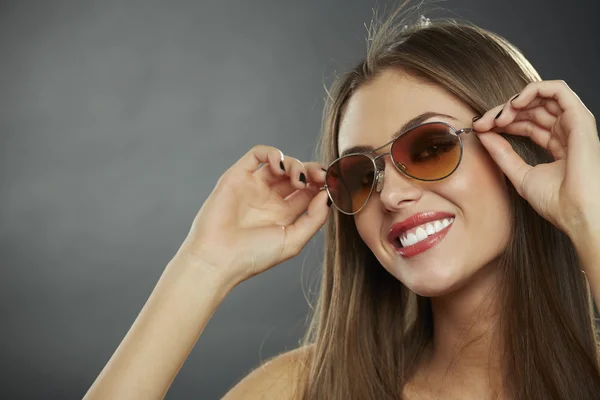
(415, 220)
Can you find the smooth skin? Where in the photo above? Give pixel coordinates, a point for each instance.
(459, 273)
(256, 217)
(232, 238)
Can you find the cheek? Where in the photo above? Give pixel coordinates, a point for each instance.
(479, 175)
(368, 224)
(476, 157)
(480, 190)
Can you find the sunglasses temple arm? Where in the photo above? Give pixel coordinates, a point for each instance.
(319, 188)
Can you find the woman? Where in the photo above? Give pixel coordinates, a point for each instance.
(456, 256)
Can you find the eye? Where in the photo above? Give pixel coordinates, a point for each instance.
(428, 151)
(433, 149)
(366, 178)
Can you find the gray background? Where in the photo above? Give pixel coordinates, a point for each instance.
(116, 120)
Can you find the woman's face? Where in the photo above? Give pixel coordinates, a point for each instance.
(475, 193)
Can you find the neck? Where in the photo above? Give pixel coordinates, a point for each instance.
(464, 357)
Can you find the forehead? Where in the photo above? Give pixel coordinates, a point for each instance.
(379, 108)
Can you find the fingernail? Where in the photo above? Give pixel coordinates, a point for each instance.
(328, 201)
(324, 169)
(499, 113)
(511, 100)
(302, 178)
(281, 165)
(475, 118)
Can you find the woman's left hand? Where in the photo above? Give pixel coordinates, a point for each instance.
(566, 191)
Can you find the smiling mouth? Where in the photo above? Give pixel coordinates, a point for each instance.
(421, 233)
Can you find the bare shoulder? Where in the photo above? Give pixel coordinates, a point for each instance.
(277, 378)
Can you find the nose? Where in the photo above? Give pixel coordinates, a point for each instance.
(396, 190)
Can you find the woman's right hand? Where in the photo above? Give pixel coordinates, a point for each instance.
(256, 218)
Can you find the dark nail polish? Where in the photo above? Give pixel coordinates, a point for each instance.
(328, 202)
(302, 178)
(499, 113)
(475, 118)
(281, 165)
(515, 97)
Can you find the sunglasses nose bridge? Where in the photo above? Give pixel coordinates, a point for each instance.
(379, 172)
(379, 178)
(401, 167)
(382, 155)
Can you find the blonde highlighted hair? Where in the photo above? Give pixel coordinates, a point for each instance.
(368, 330)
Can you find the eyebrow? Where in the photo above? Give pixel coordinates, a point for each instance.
(413, 122)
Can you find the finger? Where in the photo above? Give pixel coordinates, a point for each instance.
(312, 170)
(272, 173)
(539, 135)
(507, 159)
(527, 99)
(299, 201)
(295, 172)
(276, 170)
(257, 155)
(316, 172)
(540, 115)
(284, 176)
(285, 189)
(486, 122)
(500, 115)
(298, 233)
(315, 179)
(580, 119)
(557, 90)
(550, 105)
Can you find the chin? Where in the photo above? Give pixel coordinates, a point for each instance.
(431, 283)
(431, 291)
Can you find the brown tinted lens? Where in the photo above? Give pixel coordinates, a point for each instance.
(428, 152)
(349, 181)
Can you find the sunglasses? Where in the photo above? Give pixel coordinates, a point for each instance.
(428, 152)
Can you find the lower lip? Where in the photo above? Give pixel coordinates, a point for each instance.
(423, 245)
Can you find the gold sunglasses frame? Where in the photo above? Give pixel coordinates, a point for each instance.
(379, 173)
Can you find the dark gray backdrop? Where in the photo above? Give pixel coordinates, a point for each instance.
(116, 120)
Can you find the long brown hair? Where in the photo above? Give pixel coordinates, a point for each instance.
(368, 330)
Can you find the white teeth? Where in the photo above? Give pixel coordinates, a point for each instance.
(421, 234)
(411, 239)
(430, 229)
(425, 230)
